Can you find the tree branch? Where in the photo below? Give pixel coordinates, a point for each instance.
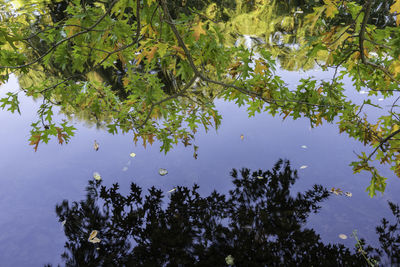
(63, 40)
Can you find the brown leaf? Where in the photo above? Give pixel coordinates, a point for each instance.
(35, 139)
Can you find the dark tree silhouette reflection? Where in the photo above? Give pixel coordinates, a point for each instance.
(259, 223)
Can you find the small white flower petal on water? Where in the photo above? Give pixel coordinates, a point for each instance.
(348, 194)
(132, 155)
(343, 236)
(93, 234)
(124, 169)
(97, 248)
(229, 260)
(380, 99)
(303, 146)
(162, 171)
(97, 176)
(363, 92)
(94, 240)
(172, 190)
(303, 167)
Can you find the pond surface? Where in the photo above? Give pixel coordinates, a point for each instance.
(32, 183)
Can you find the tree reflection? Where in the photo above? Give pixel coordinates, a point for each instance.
(259, 223)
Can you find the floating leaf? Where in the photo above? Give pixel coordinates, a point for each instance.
(343, 236)
(96, 145)
(241, 136)
(93, 234)
(336, 191)
(132, 155)
(97, 176)
(303, 167)
(229, 260)
(260, 177)
(94, 240)
(303, 146)
(348, 194)
(172, 190)
(124, 169)
(162, 171)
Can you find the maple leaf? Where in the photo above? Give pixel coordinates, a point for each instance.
(198, 30)
(60, 135)
(35, 140)
(395, 8)
(331, 9)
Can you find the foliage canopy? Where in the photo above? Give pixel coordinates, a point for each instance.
(155, 67)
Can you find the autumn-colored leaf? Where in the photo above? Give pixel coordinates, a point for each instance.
(60, 135)
(35, 139)
(395, 8)
(260, 67)
(331, 9)
(180, 51)
(198, 30)
(150, 54)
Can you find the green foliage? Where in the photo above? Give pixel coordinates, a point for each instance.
(154, 68)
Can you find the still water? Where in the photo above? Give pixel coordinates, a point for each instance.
(32, 183)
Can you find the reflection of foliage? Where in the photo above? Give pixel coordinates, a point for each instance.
(259, 223)
(155, 67)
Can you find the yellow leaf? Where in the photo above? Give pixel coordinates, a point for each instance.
(331, 9)
(71, 30)
(162, 49)
(198, 30)
(395, 8)
(313, 17)
(395, 128)
(260, 67)
(93, 234)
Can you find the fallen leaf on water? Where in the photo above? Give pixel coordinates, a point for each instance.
(96, 145)
(97, 176)
(303, 167)
(336, 191)
(132, 155)
(343, 236)
(172, 190)
(229, 260)
(260, 177)
(241, 136)
(98, 248)
(124, 169)
(303, 146)
(162, 171)
(93, 234)
(348, 194)
(94, 240)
